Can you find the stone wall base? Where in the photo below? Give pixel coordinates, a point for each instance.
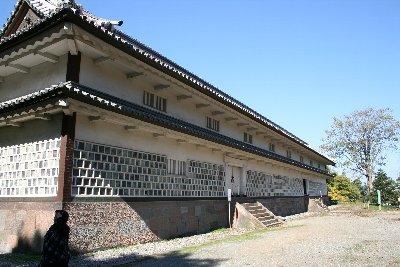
(24, 224)
(97, 225)
(285, 206)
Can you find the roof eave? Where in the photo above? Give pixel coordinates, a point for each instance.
(88, 95)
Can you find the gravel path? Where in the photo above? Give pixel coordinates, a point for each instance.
(341, 237)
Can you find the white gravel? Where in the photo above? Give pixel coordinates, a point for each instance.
(119, 256)
(338, 238)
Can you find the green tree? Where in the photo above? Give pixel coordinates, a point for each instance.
(362, 187)
(387, 186)
(398, 184)
(360, 140)
(340, 188)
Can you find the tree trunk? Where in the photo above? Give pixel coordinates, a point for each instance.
(370, 180)
(370, 185)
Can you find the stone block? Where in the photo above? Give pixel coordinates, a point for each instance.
(3, 219)
(181, 228)
(184, 210)
(192, 224)
(197, 211)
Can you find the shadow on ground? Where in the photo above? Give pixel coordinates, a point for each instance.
(169, 259)
(173, 260)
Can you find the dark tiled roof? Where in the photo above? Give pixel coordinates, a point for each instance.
(109, 102)
(47, 8)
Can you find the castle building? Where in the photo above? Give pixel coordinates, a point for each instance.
(132, 145)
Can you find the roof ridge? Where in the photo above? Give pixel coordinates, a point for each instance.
(48, 8)
(12, 14)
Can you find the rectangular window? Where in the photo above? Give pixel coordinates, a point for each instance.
(248, 138)
(155, 101)
(289, 154)
(177, 167)
(301, 159)
(212, 124)
(311, 163)
(271, 147)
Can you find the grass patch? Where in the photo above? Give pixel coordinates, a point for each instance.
(361, 209)
(20, 258)
(221, 230)
(375, 207)
(352, 206)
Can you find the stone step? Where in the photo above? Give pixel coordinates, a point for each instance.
(261, 214)
(257, 209)
(265, 218)
(273, 224)
(270, 221)
(251, 206)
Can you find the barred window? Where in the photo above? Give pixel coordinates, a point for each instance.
(248, 138)
(177, 167)
(212, 124)
(154, 101)
(271, 147)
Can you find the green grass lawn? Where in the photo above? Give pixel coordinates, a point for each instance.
(372, 207)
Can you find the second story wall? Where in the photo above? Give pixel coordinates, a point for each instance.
(38, 78)
(108, 79)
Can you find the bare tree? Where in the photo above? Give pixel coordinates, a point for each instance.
(360, 140)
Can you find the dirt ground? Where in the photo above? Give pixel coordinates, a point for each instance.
(342, 237)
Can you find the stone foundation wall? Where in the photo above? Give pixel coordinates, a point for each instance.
(96, 225)
(24, 224)
(284, 206)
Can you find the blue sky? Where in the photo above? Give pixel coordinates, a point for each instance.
(299, 63)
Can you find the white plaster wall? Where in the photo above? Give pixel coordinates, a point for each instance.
(110, 134)
(321, 188)
(106, 78)
(32, 131)
(39, 77)
(113, 81)
(29, 159)
(291, 173)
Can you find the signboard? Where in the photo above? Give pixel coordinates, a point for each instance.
(229, 206)
(379, 196)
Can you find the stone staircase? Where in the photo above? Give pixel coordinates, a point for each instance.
(262, 214)
(320, 204)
